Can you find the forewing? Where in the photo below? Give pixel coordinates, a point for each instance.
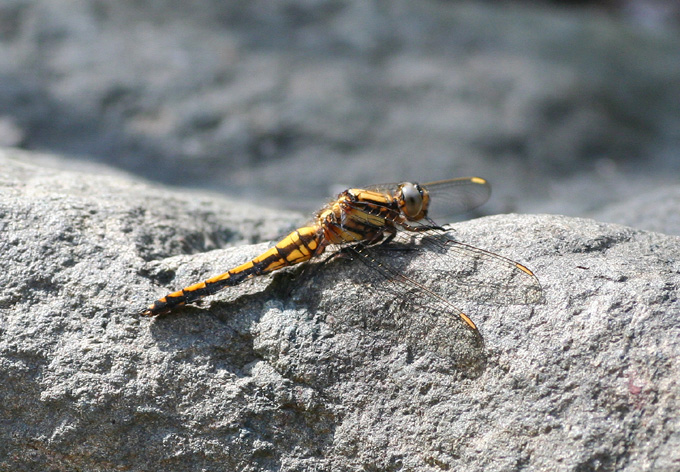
(456, 196)
(469, 273)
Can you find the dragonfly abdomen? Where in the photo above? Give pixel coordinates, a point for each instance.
(299, 246)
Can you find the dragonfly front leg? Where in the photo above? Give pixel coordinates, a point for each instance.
(421, 228)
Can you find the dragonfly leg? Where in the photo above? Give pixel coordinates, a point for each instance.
(391, 232)
(421, 228)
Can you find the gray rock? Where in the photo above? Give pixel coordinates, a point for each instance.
(275, 375)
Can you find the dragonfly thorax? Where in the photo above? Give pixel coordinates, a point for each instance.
(357, 215)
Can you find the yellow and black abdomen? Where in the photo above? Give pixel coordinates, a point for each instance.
(299, 246)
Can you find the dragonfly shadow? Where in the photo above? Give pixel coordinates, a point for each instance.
(355, 300)
(218, 330)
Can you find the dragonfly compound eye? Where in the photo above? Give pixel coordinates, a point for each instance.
(411, 199)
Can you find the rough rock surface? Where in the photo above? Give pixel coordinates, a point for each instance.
(259, 378)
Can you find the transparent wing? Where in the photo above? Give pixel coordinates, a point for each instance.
(388, 188)
(456, 196)
(413, 291)
(465, 272)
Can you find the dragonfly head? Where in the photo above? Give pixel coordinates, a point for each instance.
(413, 200)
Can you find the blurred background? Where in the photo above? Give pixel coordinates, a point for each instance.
(566, 107)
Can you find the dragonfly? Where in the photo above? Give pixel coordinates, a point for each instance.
(379, 216)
